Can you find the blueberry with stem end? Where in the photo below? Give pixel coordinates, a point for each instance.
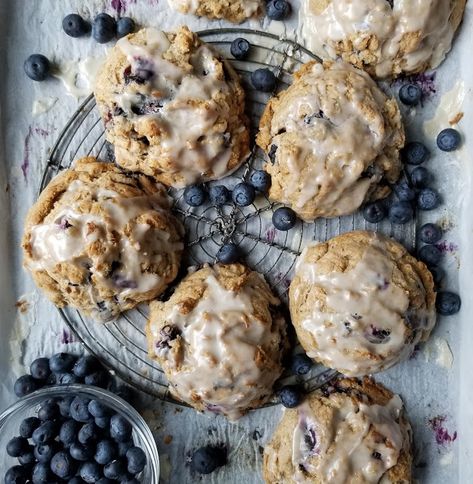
(449, 139)
(284, 218)
(278, 9)
(410, 94)
(301, 364)
(263, 80)
(374, 212)
(240, 48)
(37, 67)
(219, 195)
(243, 194)
(104, 28)
(195, 195)
(260, 180)
(290, 396)
(228, 253)
(415, 153)
(75, 26)
(400, 213)
(430, 233)
(428, 199)
(448, 303)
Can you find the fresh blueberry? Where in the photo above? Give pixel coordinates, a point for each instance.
(115, 470)
(27, 458)
(79, 409)
(98, 408)
(39, 369)
(102, 422)
(44, 452)
(16, 475)
(77, 480)
(284, 218)
(90, 472)
(278, 9)
(228, 253)
(104, 28)
(243, 194)
(100, 379)
(124, 446)
(415, 153)
(438, 274)
(37, 67)
(260, 180)
(136, 460)
(104, 480)
(404, 192)
(89, 433)
(301, 364)
(448, 303)
(28, 426)
(105, 452)
(420, 177)
(63, 465)
(400, 213)
(67, 379)
(263, 80)
(25, 385)
(219, 195)
(449, 139)
(120, 429)
(428, 199)
(65, 406)
(68, 432)
(430, 255)
(125, 26)
(86, 365)
(46, 432)
(195, 195)
(290, 396)
(240, 48)
(374, 212)
(16, 446)
(81, 452)
(410, 94)
(75, 26)
(41, 474)
(206, 459)
(430, 233)
(49, 410)
(62, 362)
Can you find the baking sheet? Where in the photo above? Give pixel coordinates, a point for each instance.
(437, 396)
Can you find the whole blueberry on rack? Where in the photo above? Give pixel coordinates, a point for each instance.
(243, 194)
(449, 139)
(415, 153)
(136, 459)
(75, 26)
(37, 67)
(16, 475)
(430, 233)
(195, 195)
(260, 180)
(374, 212)
(404, 192)
(428, 199)
(104, 28)
(206, 459)
(301, 364)
(430, 254)
(219, 195)
(410, 94)
(25, 385)
(90, 471)
(62, 362)
(240, 48)
(63, 465)
(278, 9)
(290, 396)
(420, 177)
(39, 369)
(125, 26)
(228, 253)
(16, 446)
(263, 80)
(400, 213)
(448, 303)
(284, 218)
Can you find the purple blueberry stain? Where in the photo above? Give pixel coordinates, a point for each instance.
(67, 337)
(270, 235)
(442, 435)
(120, 6)
(447, 247)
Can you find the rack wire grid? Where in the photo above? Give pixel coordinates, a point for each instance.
(121, 344)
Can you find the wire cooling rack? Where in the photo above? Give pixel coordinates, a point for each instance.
(122, 344)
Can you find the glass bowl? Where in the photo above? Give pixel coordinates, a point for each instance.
(28, 406)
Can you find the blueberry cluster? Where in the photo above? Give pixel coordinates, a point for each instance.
(77, 440)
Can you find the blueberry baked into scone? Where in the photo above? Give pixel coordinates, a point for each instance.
(172, 107)
(352, 432)
(219, 339)
(360, 302)
(332, 140)
(102, 240)
(235, 11)
(385, 37)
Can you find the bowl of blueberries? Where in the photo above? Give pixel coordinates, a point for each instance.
(77, 434)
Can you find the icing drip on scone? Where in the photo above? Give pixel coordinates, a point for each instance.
(249, 7)
(361, 443)
(215, 352)
(363, 312)
(178, 103)
(391, 37)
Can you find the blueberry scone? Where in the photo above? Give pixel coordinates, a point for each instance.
(172, 107)
(353, 432)
(332, 140)
(101, 240)
(219, 339)
(360, 302)
(385, 37)
(235, 11)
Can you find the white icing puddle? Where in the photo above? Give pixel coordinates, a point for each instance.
(43, 105)
(79, 77)
(438, 351)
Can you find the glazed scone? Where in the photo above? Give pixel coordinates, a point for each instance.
(235, 11)
(333, 141)
(172, 107)
(219, 339)
(354, 432)
(102, 240)
(360, 302)
(385, 37)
